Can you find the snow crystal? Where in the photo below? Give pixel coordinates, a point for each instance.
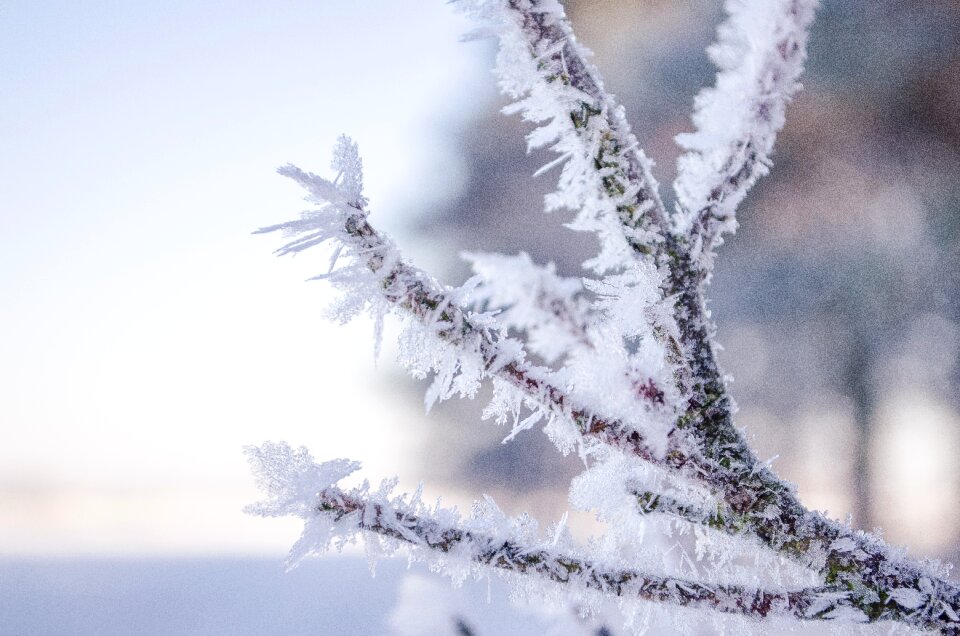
(907, 598)
(291, 479)
(346, 161)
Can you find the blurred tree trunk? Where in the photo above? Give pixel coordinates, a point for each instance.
(858, 380)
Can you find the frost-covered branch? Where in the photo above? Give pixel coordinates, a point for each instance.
(559, 567)
(488, 539)
(478, 349)
(296, 485)
(632, 371)
(760, 53)
(606, 178)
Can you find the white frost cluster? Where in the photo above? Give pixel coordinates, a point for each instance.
(338, 202)
(532, 301)
(290, 478)
(598, 332)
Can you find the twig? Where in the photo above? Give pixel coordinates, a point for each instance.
(510, 556)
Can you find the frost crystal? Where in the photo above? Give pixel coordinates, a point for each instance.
(346, 161)
(291, 479)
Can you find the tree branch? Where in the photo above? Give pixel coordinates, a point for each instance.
(416, 293)
(760, 53)
(551, 565)
(543, 66)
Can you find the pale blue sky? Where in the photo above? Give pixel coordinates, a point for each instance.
(146, 333)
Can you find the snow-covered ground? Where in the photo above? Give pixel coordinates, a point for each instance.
(334, 596)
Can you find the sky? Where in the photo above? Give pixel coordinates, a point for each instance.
(146, 334)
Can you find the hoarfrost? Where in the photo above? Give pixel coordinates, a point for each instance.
(602, 363)
(759, 54)
(907, 597)
(291, 479)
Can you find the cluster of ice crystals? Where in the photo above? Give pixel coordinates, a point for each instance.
(532, 300)
(346, 161)
(611, 361)
(626, 374)
(336, 202)
(291, 479)
(422, 353)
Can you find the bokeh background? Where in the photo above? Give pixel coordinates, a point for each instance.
(147, 336)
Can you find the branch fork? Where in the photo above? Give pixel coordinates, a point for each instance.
(637, 376)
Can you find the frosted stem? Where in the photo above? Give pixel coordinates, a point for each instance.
(542, 65)
(760, 52)
(406, 287)
(597, 120)
(561, 568)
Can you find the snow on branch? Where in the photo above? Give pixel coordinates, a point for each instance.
(489, 539)
(463, 348)
(760, 52)
(606, 177)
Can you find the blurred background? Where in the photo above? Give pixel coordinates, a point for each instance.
(148, 336)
